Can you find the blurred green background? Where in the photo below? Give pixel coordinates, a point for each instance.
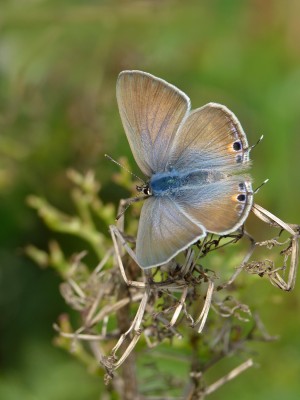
(59, 61)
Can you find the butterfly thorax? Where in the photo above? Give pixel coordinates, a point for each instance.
(170, 182)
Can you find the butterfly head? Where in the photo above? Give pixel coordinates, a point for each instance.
(145, 189)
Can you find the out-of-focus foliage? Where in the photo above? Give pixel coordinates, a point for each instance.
(59, 61)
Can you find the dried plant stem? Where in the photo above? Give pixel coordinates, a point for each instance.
(129, 380)
(119, 303)
(228, 377)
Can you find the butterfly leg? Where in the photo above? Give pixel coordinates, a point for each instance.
(124, 204)
(292, 251)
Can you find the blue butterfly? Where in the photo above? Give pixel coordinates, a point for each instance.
(194, 161)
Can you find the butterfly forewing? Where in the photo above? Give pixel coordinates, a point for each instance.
(151, 111)
(211, 137)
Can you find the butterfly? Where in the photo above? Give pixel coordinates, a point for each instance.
(194, 161)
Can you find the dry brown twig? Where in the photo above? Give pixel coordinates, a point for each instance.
(168, 297)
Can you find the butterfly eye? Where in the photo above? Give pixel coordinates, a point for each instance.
(241, 198)
(237, 146)
(144, 189)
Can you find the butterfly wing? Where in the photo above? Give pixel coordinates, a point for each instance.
(164, 231)
(151, 111)
(165, 136)
(211, 137)
(220, 206)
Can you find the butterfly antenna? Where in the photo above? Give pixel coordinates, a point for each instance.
(122, 166)
(260, 186)
(255, 144)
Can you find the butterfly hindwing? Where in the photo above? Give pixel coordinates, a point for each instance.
(220, 206)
